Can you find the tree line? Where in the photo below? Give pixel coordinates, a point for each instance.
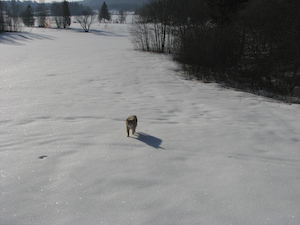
(248, 44)
(13, 15)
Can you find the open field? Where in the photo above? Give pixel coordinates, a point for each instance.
(202, 154)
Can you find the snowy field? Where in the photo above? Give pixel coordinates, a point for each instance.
(201, 155)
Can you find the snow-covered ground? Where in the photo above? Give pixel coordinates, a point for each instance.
(202, 154)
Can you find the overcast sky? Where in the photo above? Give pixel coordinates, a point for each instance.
(49, 1)
(107, 1)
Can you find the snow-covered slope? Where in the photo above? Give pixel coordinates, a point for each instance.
(202, 154)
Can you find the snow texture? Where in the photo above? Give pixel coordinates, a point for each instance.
(202, 154)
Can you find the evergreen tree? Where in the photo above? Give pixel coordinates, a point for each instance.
(27, 17)
(103, 14)
(66, 14)
(56, 12)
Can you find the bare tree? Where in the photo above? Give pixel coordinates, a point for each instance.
(12, 20)
(156, 17)
(140, 36)
(41, 13)
(122, 16)
(86, 19)
(57, 13)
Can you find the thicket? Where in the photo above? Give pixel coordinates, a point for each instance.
(249, 44)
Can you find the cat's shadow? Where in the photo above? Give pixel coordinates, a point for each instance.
(149, 140)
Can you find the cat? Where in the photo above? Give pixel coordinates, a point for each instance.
(131, 123)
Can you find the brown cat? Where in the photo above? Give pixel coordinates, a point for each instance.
(131, 123)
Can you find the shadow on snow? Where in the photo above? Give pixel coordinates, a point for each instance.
(149, 140)
(98, 32)
(16, 38)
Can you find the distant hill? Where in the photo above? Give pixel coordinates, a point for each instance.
(114, 4)
(75, 9)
